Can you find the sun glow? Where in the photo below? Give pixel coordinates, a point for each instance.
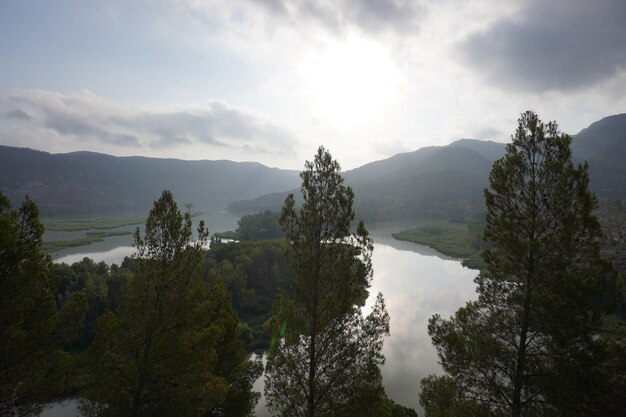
(349, 81)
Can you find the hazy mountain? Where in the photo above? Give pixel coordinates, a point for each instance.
(93, 183)
(435, 181)
(430, 182)
(488, 149)
(448, 181)
(603, 146)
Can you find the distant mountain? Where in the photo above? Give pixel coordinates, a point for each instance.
(443, 182)
(86, 183)
(435, 181)
(603, 146)
(488, 149)
(430, 182)
(448, 181)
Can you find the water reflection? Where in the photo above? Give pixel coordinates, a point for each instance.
(115, 255)
(415, 286)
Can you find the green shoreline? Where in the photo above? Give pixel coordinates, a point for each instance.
(57, 245)
(94, 228)
(100, 223)
(448, 238)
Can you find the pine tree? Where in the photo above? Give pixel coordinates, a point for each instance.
(32, 330)
(524, 346)
(326, 360)
(159, 353)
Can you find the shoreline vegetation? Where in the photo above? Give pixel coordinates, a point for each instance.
(454, 238)
(458, 238)
(89, 238)
(97, 223)
(462, 239)
(96, 230)
(450, 238)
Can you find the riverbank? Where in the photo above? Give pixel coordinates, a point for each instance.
(89, 238)
(95, 223)
(62, 234)
(451, 238)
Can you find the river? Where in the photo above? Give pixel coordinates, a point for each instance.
(416, 282)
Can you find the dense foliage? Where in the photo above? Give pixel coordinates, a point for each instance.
(325, 359)
(33, 330)
(527, 345)
(172, 347)
(260, 226)
(253, 272)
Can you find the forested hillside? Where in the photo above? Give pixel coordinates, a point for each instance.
(448, 181)
(87, 183)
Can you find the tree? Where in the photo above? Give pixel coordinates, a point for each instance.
(172, 346)
(259, 226)
(326, 356)
(525, 347)
(32, 329)
(442, 397)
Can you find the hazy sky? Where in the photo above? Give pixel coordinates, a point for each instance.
(270, 80)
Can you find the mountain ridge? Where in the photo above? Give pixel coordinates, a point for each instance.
(92, 183)
(459, 192)
(434, 181)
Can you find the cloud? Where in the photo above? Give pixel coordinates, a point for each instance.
(73, 123)
(17, 114)
(370, 16)
(560, 45)
(85, 118)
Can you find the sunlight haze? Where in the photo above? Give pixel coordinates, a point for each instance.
(269, 81)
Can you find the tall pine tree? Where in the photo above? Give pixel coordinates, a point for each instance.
(172, 347)
(32, 329)
(525, 346)
(325, 362)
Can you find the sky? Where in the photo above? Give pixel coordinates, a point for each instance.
(271, 80)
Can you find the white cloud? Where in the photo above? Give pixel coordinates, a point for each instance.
(84, 120)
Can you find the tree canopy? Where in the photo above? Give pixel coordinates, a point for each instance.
(259, 226)
(32, 330)
(172, 347)
(324, 360)
(526, 346)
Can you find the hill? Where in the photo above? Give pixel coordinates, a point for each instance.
(438, 182)
(448, 181)
(86, 183)
(603, 146)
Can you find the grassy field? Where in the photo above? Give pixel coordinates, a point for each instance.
(90, 237)
(102, 223)
(98, 223)
(449, 238)
(96, 229)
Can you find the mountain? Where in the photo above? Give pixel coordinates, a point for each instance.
(489, 149)
(603, 146)
(448, 181)
(430, 182)
(434, 182)
(81, 183)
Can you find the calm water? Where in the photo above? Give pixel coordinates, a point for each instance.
(416, 283)
(109, 251)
